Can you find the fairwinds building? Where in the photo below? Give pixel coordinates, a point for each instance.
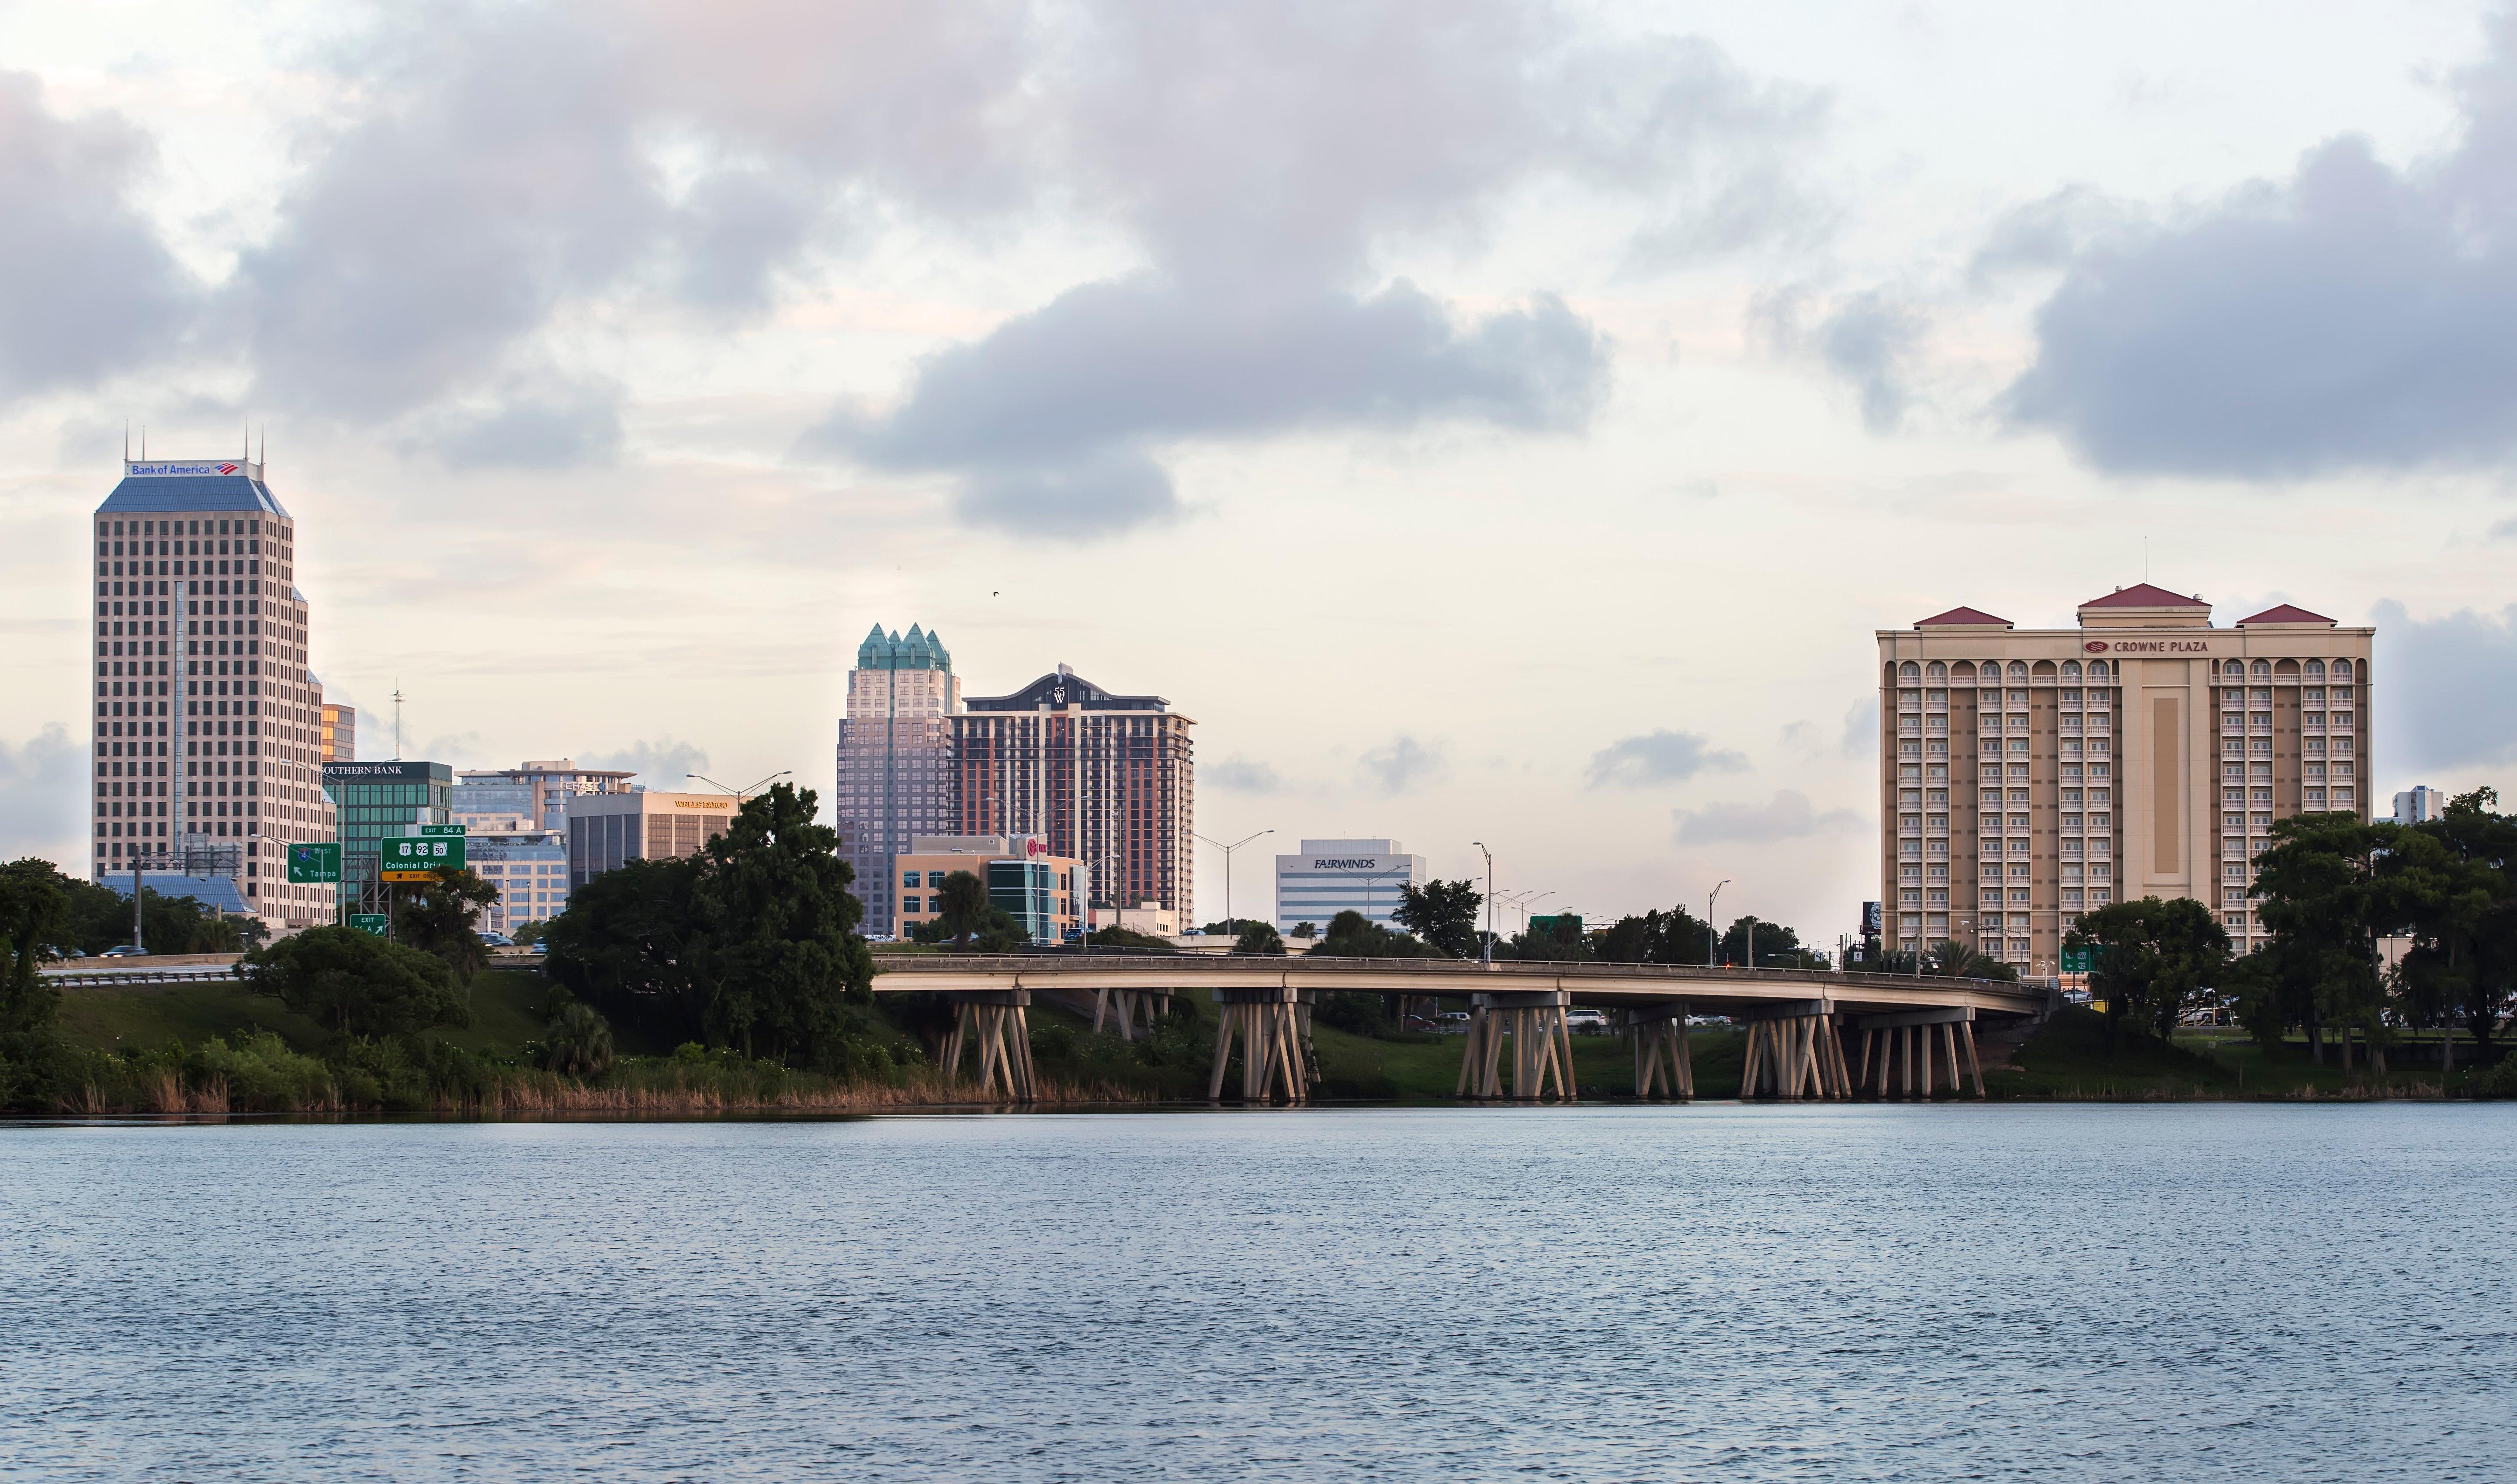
(2029, 775)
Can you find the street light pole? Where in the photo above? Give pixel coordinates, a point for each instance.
(1231, 924)
(1487, 956)
(1710, 939)
(742, 793)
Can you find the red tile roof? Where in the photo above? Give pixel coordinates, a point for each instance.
(2286, 613)
(1960, 616)
(2143, 595)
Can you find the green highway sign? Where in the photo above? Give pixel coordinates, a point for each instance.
(433, 831)
(371, 922)
(2079, 960)
(413, 858)
(315, 864)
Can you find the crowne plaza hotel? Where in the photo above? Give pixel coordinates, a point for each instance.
(2029, 775)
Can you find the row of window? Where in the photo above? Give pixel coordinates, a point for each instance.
(1993, 671)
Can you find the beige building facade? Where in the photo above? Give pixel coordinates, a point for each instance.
(2027, 776)
(608, 830)
(1046, 894)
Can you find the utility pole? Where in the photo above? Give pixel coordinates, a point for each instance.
(396, 724)
(1231, 924)
(1710, 938)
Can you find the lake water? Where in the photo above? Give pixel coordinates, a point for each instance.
(1711, 1293)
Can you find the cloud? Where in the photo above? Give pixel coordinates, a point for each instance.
(1787, 816)
(1050, 416)
(2437, 697)
(1236, 775)
(1658, 758)
(86, 288)
(1861, 730)
(663, 764)
(1867, 339)
(1406, 765)
(540, 422)
(2351, 317)
(42, 782)
(2504, 531)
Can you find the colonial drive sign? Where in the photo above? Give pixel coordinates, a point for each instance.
(314, 864)
(371, 922)
(409, 858)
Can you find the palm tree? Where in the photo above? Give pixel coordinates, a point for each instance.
(580, 1041)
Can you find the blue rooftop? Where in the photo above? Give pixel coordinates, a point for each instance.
(155, 494)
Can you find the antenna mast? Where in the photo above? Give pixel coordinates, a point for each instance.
(396, 724)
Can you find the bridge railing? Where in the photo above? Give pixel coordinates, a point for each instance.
(1676, 973)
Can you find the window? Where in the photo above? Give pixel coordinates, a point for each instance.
(909, 878)
(910, 905)
(934, 878)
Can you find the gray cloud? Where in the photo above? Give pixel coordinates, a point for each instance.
(2504, 531)
(538, 422)
(663, 764)
(1861, 730)
(2351, 317)
(1787, 816)
(1658, 758)
(86, 289)
(1238, 774)
(2439, 697)
(1406, 765)
(1049, 415)
(42, 782)
(1867, 339)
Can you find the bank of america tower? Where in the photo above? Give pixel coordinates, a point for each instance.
(206, 715)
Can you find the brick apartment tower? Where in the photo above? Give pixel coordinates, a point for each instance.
(1108, 780)
(207, 720)
(2027, 776)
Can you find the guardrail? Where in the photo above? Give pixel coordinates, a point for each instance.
(1149, 959)
(122, 978)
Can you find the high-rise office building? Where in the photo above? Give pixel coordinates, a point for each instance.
(1106, 779)
(2420, 805)
(895, 776)
(2027, 776)
(207, 720)
(340, 743)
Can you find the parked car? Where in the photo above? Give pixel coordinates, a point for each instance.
(124, 950)
(1455, 1022)
(1586, 1021)
(496, 940)
(538, 947)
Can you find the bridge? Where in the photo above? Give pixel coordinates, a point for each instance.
(1810, 1034)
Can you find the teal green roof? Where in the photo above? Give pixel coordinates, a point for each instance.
(920, 650)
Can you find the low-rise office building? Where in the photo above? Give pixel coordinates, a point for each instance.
(608, 830)
(1332, 877)
(1045, 894)
(544, 789)
(528, 867)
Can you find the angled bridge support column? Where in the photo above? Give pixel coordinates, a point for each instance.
(1901, 1053)
(1542, 1045)
(1663, 1067)
(992, 1026)
(1793, 1052)
(1273, 1028)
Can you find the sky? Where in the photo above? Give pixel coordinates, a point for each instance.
(1490, 421)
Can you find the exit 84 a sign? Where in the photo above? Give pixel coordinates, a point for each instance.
(417, 859)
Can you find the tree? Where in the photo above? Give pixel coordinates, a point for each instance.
(624, 946)
(1121, 937)
(1305, 930)
(1442, 914)
(962, 907)
(2318, 889)
(1551, 940)
(1259, 938)
(35, 916)
(2448, 884)
(442, 916)
(1675, 935)
(354, 983)
(776, 946)
(1352, 935)
(1773, 944)
(2154, 959)
(578, 1041)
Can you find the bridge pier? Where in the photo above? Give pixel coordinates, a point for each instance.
(1542, 1045)
(1662, 1064)
(1274, 1029)
(1901, 1053)
(1793, 1052)
(993, 1024)
(1127, 1012)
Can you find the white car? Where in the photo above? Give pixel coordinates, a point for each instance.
(1586, 1021)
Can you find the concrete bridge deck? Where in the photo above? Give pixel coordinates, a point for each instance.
(1804, 1026)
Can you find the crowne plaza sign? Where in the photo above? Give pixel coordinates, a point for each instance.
(2148, 646)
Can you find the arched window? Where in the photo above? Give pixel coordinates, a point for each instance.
(2315, 669)
(1938, 673)
(2018, 672)
(2098, 670)
(2234, 671)
(2263, 670)
(1910, 671)
(2070, 671)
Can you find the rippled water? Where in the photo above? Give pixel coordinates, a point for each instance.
(1715, 1292)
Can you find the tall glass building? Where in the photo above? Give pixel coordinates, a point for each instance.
(895, 758)
(377, 801)
(207, 720)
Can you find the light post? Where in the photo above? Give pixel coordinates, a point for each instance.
(742, 793)
(1231, 924)
(1367, 892)
(1487, 955)
(1710, 936)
